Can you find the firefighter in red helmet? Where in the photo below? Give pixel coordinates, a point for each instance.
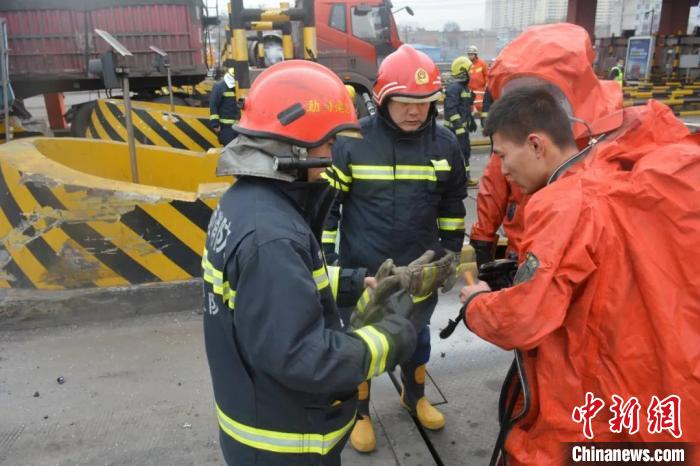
(401, 189)
(284, 371)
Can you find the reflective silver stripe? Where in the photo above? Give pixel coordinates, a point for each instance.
(372, 172)
(321, 278)
(363, 301)
(415, 172)
(281, 442)
(450, 223)
(334, 277)
(328, 236)
(378, 347)
(216, 279)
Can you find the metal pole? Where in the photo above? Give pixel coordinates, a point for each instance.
(130, 128)
(5, 77)
(170, 91)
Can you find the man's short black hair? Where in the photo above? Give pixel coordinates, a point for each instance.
(528, 110)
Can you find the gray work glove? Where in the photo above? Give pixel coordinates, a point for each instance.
(423, 276)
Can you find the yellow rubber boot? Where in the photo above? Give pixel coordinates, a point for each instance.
(362, 437)
(413, 398)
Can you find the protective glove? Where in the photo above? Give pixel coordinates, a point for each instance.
(423, 276)
(499, 274)
(374, 300)
(485, 251)
(471, 125)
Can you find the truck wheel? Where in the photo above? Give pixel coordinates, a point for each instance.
(81, 120)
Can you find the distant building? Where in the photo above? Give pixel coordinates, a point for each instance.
(452, 44)
(504, 15)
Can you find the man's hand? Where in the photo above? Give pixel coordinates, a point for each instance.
(370, 282)
(469, 290)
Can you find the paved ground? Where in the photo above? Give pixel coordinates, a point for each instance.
(136, 391)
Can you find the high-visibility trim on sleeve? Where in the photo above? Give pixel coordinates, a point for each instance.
(441, 165)
(451, 223)
(229, 94)
(334, 277)
(335, 183)
(321, 278)
(363, 301)
(347, 179)
(418, 299)
(460, 131)
(378, 346)
(455, 117)
(329, 236)
(219, 286)
(213, 116)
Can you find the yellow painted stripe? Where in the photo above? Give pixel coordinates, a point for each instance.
(204, 131)
(127, 240)
(55, 237)
(178, 134)
(101, 132)
(24, 259)
(178, 224)
(112, 121)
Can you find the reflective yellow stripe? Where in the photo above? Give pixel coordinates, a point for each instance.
(460, 131)
(362, 302)
(281, 442)
(464, 94)
(418, 299)
(451, 223)
(229, 94)
(455, 117)
(343, 177)
(334, 276)
(447, 124)
(378, 347)
(216, 279)
(335, 184)
(321, 278)
(328, 236)
(389, 173)
(441, 165)
(228, 121)
(415, 172)
(372, 172)
(213, 116)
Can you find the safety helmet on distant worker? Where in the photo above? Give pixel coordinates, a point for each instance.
(407, 75)
(460, 68)
(472, 49)
(300, 102)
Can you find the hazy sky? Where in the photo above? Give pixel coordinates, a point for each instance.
(430, 14)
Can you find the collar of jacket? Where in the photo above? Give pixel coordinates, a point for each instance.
(312, 200)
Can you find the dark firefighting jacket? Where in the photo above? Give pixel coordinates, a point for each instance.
(223, 108)
(401, 194)
(457, 108)
(284, 371)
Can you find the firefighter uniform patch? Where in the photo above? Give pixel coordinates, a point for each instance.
(527, 270)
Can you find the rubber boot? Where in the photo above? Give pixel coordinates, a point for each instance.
(362, 437)
(471, 183)
(413, 397)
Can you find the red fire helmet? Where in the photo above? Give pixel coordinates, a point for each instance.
(407, 75)
(300, 102)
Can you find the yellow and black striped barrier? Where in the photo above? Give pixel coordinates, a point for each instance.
(70, 218)
(186, 128)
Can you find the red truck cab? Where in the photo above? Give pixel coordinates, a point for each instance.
(353, 37)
